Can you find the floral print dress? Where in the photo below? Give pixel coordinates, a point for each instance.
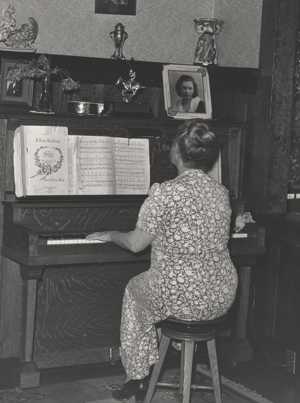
(191, 276)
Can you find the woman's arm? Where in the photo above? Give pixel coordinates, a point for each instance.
(135, 241)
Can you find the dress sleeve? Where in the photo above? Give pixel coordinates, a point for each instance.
(152, 211)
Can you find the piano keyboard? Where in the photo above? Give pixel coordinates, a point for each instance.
(243, 235)
(252, 234)
(72, 241)
(80, 239)
(66, 239)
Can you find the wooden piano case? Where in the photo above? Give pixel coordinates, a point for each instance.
(65, 308)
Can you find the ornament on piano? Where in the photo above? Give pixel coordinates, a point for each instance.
(241, 220)
(130, 86)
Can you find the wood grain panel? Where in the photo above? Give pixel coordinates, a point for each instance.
(273, 272)
(287, 325)
(262, 129)
(10, 314)
(280, 24)
(79, 308)
(279, 147)
(9, 175)
(3, 169)
(77, 357)
(294, 163)
(79, 218)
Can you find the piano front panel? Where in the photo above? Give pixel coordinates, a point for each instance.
(57, 218)
(78, 310)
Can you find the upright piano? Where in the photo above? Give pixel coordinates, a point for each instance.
(71, 291)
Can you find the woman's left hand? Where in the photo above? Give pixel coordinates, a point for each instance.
(100, 236)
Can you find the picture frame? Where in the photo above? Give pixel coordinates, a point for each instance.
(122, 7)
(186, 92)
(20, 93)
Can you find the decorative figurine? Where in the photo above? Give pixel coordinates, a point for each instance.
(206, 49)
(131, 86)
(17, 38)
(119, 36)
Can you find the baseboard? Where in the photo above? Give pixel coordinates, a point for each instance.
(73, 373)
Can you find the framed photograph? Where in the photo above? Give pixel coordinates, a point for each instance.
(187, 92)
(123, 7)
(20, 93)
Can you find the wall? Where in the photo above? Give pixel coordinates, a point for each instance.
(162, 31)
(239, 41)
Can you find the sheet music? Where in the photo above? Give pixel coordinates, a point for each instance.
(49, 162)
(95, 173)
(132, 166)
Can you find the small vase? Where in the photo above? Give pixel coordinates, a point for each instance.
(45, 100)
(206, 49)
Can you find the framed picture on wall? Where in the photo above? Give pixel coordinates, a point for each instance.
(123, 7)
(20, 93)
(187, 92)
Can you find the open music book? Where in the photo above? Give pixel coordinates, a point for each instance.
(48, 161)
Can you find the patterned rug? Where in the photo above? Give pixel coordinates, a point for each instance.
(99, 391)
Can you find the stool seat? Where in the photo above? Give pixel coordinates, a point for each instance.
(198, 322)
(183, 331)
(188, 332)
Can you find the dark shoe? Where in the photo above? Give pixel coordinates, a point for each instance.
(128, 389)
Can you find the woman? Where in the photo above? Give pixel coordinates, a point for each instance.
(186, 88)
(186, 221)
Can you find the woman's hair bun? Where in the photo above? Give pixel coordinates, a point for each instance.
(198, 145)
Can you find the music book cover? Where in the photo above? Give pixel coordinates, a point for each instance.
(85, 165)
(41, 160)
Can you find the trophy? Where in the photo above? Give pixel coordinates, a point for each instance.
(206, 49)
(119, 36)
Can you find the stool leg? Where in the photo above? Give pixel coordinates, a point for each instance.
(181, 367)
(159, 334)
(163, 348)
(188, 367)
(213, 361)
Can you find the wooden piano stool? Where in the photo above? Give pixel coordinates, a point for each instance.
(188, 332)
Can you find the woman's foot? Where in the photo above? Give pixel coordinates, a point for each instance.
(128, 389)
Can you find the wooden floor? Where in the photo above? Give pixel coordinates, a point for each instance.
(260, 375)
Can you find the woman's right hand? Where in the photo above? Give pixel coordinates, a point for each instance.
(100, 236)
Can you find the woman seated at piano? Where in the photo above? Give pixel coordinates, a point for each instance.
(186, 220)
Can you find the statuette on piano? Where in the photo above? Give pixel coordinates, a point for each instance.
(241, 220)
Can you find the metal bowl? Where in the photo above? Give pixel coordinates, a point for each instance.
(84, 108)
